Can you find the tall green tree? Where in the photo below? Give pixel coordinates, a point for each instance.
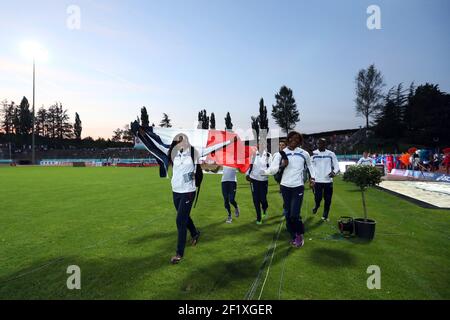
(64, 127)
(212, 121)
(263, 120)
(117, 135)
(165, 122)
(52, 121)
(407, 115)
(145, 122)
(7, 123)
(255, 128)
(430, 110)
(284, 111)
(25, 117)
(228, 123)
(388, 122)
(127, 134)
(77, 128)
(369, 92)
(203, 120)
(41, 122)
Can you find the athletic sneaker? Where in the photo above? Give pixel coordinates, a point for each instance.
(265, 214)
(175, 259)
(195, 239)
(315, 210)
(258, 222)
(325, 219)
(229, 219)
(236, 212)
(299, 241)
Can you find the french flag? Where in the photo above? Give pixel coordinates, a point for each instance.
(218, 147)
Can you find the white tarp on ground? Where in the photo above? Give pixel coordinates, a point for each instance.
(434, 193)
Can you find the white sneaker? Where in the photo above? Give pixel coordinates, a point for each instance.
(229, 219)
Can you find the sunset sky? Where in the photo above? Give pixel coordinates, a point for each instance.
(182, 56)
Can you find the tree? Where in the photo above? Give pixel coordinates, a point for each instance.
(41, 122)
(389, 120)
(200, 120)
(363, 177)
(263, 120)
(203, 120)
(212, 121)
(117, 135)
(369, 86)
(228, 123)
(77, 128)
(64, 127)
(430, 115)
(284, 111)
(7, 124)
(15, 118)
(165, 122)
(52, 121)
(127, 135)
(144, 118)
(25, 117)
(406, 114)
(255, 128)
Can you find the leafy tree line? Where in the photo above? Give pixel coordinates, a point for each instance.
(52, 124)
(416, 115)
(284, 112)
(53, 128)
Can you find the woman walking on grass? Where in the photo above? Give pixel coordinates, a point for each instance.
(292, 186)
(186, 170)
(259, 183)
(229, 186)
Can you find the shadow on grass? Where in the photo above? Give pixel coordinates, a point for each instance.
(215, 231)
(218, 277)
(332, 258)
(106, 278)
(309, 226)
(215, 280)
(353, 239)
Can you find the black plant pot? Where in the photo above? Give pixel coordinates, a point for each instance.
(365, 229)
(346, 226)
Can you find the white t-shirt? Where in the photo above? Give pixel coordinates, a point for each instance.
(324, 162)
(183, 173)
(229, 174)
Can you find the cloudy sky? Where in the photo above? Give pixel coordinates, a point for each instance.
(223, 55)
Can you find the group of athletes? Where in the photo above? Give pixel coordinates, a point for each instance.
(291, 166)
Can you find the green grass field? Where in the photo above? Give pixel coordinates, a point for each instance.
(118, 226)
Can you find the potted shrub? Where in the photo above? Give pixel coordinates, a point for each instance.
(364, 177)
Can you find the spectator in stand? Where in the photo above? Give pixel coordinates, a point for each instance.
(446, 162)
(437, 158)
(365, 160)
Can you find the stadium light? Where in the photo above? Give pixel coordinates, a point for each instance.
(33, 50)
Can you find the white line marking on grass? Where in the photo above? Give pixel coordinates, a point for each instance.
(254, 286)
(282, 273)
(271, 259)
(32, 270)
